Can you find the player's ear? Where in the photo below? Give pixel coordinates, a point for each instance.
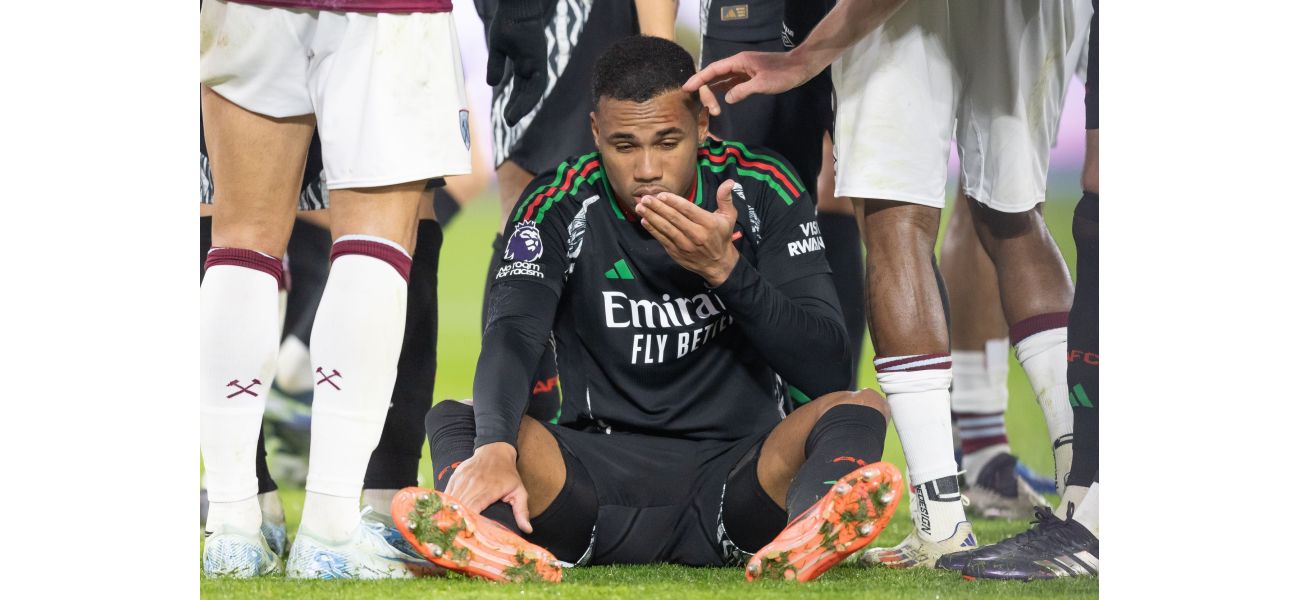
(595, 131)
(702, 122)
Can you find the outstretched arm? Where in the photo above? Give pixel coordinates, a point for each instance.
(749, 73)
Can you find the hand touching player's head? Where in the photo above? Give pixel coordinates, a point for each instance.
(645, 127)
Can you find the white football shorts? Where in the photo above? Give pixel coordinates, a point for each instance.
(387, 89)
(992, 73)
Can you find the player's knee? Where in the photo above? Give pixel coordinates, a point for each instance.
(889, 227)
(267, 236)
(1006, 225)
(448, 414)
(831, 203)
(534, 439)
(864, 397)
(530, 429)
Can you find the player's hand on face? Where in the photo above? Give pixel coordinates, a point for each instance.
(748, 73)
(698, 240)
(488, 476)
(522, 41)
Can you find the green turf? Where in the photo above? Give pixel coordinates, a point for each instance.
(672, 582)
(461, 277)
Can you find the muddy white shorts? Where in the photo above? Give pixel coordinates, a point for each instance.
(992, 73)
(387, 89)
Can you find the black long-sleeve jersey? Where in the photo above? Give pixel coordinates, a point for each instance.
(643, 344)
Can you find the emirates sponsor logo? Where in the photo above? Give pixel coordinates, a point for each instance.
(703, 313)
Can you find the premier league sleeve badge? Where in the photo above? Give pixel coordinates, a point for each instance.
(525, 244)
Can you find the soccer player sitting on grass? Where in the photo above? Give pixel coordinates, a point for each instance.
(684, 285)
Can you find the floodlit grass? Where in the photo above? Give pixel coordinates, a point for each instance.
(673, 582)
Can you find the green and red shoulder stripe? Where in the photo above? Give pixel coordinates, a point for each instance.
(718, 155)
(568, 178)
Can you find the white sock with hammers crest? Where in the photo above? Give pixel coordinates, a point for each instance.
(239, 335)
(355, 343)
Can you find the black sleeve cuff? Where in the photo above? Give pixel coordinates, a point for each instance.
(743, 275)
(482, 440)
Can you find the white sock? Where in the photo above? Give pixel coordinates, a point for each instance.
(332, 518)
(979, 378)
(356, 340)
(271, 507)
(1086, 513)
(937, 508)
(238, 338)
(1042, 354)
(979, 403)
(1073, 495)
(919, 405)
(241, 516)
(380, 500)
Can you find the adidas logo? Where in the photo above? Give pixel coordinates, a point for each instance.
(620, 271)
(1079, 397)
(969, 542)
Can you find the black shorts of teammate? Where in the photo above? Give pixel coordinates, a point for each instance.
(660, 499)
(559, 127)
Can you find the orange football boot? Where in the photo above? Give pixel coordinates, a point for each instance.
(451, 536)
(848, 517)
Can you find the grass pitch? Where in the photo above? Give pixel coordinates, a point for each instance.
(671, 582)
(461, 277)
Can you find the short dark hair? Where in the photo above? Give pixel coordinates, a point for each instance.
(640, 67)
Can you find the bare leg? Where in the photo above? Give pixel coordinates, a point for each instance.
(972, 284)
(904, 304)
(257, 164)
(386, 212)
(541, 466)
(1032, 276)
